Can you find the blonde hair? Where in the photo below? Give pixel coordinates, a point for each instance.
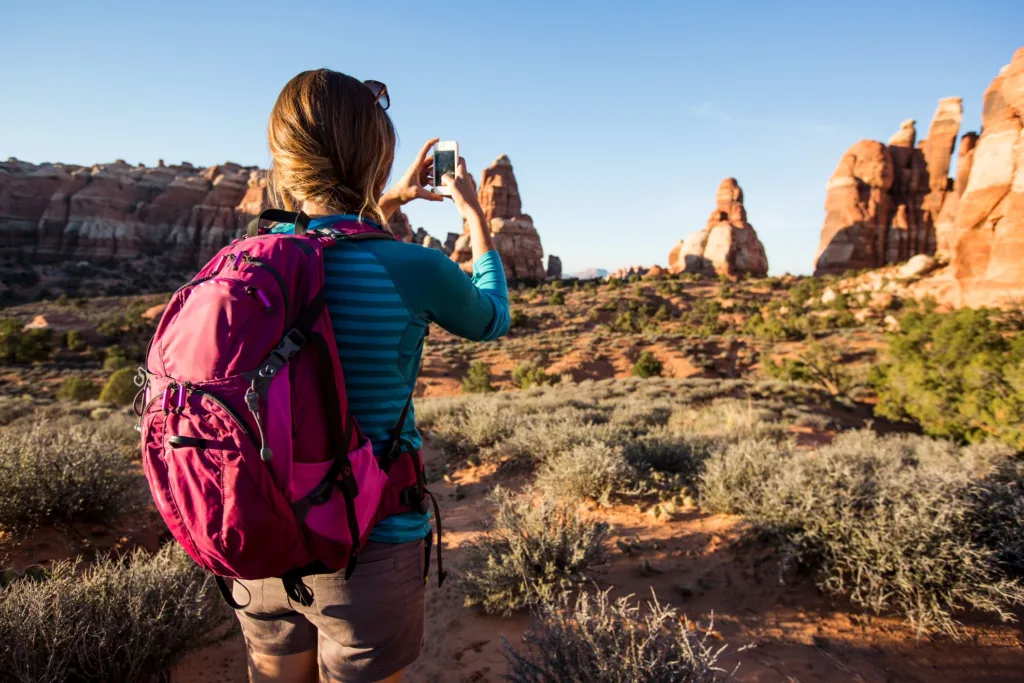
(330, 144)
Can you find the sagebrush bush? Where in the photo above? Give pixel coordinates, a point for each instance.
(117, 621)
(120, 389)
(597, 640)
(959, 375)
(63, 472)
(531, 552)
(898, 524)
(526, 375)
(588, 470)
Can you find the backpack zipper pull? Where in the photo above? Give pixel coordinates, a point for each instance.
(252, 402)
(165, 403)
(238, 260)
(181, 396)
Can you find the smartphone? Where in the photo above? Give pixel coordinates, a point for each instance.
(446, 157)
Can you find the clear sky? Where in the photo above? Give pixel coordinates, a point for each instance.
(619, 118)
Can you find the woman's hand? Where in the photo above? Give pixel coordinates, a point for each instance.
(412, 185)
(463, 191)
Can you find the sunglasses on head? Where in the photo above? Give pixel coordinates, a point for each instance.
(380, 93)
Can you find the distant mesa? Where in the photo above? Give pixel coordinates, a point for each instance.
(121, 212)
(515, 238)
(590, 274)
(888, 203)
(185, 213)
(727, 245)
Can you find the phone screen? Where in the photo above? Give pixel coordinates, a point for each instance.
(444, 162)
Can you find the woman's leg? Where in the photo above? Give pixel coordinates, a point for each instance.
(297, 668)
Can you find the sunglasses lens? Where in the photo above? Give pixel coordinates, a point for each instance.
(380, 93)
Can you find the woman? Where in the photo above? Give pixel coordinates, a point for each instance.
(332, 145)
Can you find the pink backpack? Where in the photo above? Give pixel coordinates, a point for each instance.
(253, 458)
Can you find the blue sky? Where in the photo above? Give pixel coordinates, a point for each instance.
(619, 118)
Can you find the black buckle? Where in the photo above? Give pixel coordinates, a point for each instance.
(291, 343)
(414, 497)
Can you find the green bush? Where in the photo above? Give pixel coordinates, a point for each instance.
(530, 554)
(600, 641)
(120, 389)
(702, 318)
(959, 375)
(115, 621)
(477, 379)
(647, 366)
(518, 318)
(556, 298)
(52, 472)
(116, 359)
(897, 524)
(23, 346)
(526, 375)
(821, 364)
(74, 341)
(76, 388)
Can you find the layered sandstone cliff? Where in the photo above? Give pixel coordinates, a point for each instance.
(888, 203)
(727, 245)
(515, 237)
(118, 211)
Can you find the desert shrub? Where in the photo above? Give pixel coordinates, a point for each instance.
(75, 388)
(531, 553)
(600, 641)
(701, 319)
(614, 283)
(477, 379)
(821, 364)
(526, 375)
(120, 389)
(664, 451)
(117, 621)
(727, 420)
(897, 524)
(74, 341)
(959, 375)
(116, 359)
(594, 470)
(59, 472)
(556, 298)
(23, 346)
(518, 318)
(647, 365)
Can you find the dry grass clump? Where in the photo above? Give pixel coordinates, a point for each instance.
(728, 419)
(117, 621)
(898, 524)
(64, 471)
(532, 552)
(588, 470)
(597, 640)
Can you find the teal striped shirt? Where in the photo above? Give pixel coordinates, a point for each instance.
(382, 296)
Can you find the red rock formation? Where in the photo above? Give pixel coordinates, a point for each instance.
(554, 267)
(988, 256)
(727, 245)
(118, 211)
(887, 203)
(515, 238)
(400, 226)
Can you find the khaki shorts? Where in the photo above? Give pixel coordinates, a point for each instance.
(364, 629)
